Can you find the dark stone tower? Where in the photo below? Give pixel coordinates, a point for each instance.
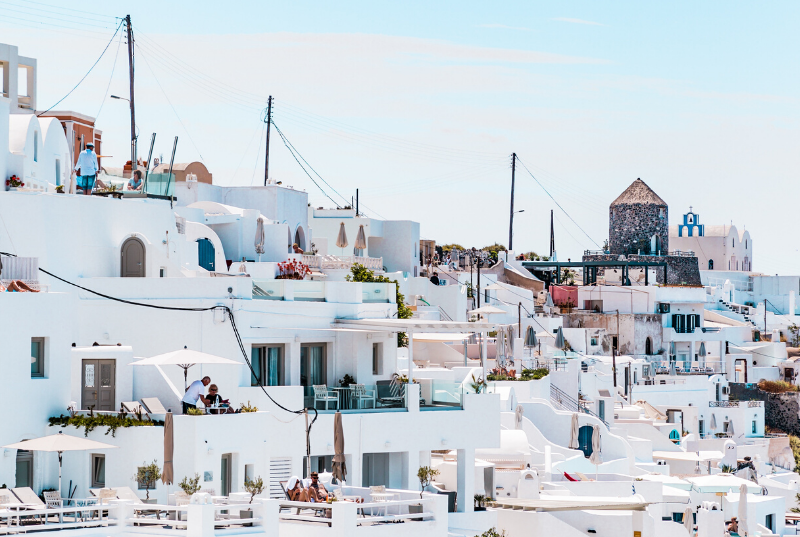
(638, 222)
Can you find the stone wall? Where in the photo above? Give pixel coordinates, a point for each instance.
(781, 410)
(633, 331)
(630, 227)
(680, 270)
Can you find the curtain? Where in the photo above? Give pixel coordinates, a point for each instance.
(312, 366)
(274, 366)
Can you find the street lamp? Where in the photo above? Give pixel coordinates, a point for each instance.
(133, 135)
(120, 98)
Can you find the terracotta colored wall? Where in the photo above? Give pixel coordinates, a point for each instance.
(562, 294)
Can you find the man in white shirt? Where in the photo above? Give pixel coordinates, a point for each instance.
(194, 392)
(87, 168)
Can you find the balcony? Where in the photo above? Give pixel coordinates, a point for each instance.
(333, 262)
(319, 291)
(697, 335)
(386, 397)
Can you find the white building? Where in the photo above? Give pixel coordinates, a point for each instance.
(716, 247)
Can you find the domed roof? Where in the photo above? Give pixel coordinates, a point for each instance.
(639, 194)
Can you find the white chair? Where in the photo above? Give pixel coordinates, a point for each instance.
(362, 396)
(321, 394)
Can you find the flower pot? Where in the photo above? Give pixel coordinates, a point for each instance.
(415, 509)
(246, 514)
(150, 501)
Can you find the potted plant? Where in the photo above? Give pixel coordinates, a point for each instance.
(480, 502)
(147, 475)
(347, 380)
(60, 189)
(255, 488)
(190, 485)
(425, 474)
(14, 182)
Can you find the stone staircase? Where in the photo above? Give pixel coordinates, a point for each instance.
(727, 306)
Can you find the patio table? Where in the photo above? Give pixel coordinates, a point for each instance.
(344, 396)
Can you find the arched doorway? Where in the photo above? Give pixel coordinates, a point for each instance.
(585, 440)
(675, 436)
(710, 264)
(132, 260)
(300, 238)
(205, 254)
(648, 346)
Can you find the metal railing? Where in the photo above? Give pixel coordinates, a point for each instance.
(362, 514)
(736, 404)
(562, 401)
(739, 285)
(333, 262)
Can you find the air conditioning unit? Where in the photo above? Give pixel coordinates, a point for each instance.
(663, 308)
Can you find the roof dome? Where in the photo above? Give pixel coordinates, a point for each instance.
(639, 194)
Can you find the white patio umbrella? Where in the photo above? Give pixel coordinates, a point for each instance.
(500, 352)
(573, 432)
(596, 457)
(361, 239)
(510, 329)
(730, 428)
(518, 413)
(702, 351)
(487, 310)
(713, 425)
(259, 236)
(743, 530)
(185, 358)
(688, 520)
(59, 443)
(341, 239)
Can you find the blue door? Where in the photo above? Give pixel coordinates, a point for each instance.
(585, 440)
(205, 254)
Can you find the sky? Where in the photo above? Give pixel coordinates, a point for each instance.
(420, 105)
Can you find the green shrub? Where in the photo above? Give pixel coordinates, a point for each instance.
(777, 386)
(89, 423)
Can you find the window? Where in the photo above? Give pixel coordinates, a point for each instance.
(662, 212)
(98, 471)
(486, 297)
(594, 341)
(745, 244)
(36, 146)
(37, 357)
(648, 345)
(710, 264)
(769, 522)
(755, 427)
(377, 363)
(675, 436)
(268, 364)
(312, 365)
(24, 477)
(601, 409)
(701, 428)
(614, 342)
(58, 172)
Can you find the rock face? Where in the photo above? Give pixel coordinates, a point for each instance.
(638, 222)
(781, 410)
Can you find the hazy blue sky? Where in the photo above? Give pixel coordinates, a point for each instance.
(419, 105)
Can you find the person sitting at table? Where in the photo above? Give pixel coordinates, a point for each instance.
(295, 490)
(215, 399)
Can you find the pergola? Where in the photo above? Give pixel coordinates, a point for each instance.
(416, 326)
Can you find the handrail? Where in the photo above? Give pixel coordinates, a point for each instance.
(566, 402)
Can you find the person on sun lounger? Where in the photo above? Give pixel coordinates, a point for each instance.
(295, 490)
(17, 286)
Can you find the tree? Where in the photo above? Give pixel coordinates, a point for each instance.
(254, 487)
(533, 256)
(147, 476)
(425, 474)
(795, 331)
(450, 247)
(360, 273)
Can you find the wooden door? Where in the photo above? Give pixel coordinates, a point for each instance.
(98, 381)
(133, 258)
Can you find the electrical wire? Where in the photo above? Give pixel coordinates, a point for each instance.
(170, 105)
(113, 67)
(67, 9)
(60, 18)
(87, 74)
(556, 202)
(258, 152)
(285, 142)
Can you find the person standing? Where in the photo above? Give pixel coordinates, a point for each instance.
(87, 168)
(195, 392)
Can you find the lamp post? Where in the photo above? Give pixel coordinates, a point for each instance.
(133, 131)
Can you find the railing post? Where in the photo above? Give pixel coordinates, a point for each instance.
(121, 511)
(267, 510)
(200, 520)
(343, 519)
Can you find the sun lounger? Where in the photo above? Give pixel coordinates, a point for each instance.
(119, 493)
(153, 405)
(570, 478)
(134, 407)
(583, 477)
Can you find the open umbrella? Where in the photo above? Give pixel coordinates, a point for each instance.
(339, 469)
(672, 348)
(185, 358)
(530, 337)
(341, 240)
(730, 428)
(361, 239)
(743, 530)
(259, 236)
(59, 443)
(511, 339)
(713, 425)
(573, 432)
(169, 449)
(596, 457)
(500, 352)
(688, 521)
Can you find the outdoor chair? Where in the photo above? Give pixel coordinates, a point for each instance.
(153, 405)
(134, 407)
(361, 396)
(321, 394)
(27, 497)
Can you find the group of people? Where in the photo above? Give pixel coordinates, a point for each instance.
(87, 168)
(315, 491)
(195, 393)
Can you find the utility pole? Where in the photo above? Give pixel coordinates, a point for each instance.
(130, 78)
(765, 320)
(614, 368)
(552, 236)
(511, 218)
(268, 121)
(356, 202)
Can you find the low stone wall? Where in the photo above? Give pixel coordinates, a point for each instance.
(781, 410)
(680, 270)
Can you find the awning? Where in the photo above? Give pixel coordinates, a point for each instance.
(432, 336)
(574, 503)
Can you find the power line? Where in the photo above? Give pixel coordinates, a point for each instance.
(285, 142)
(67, 9)
(87, 74)
(258, 151)
(558, 204)
(113, 67)
(170, 104)
(60, 17)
